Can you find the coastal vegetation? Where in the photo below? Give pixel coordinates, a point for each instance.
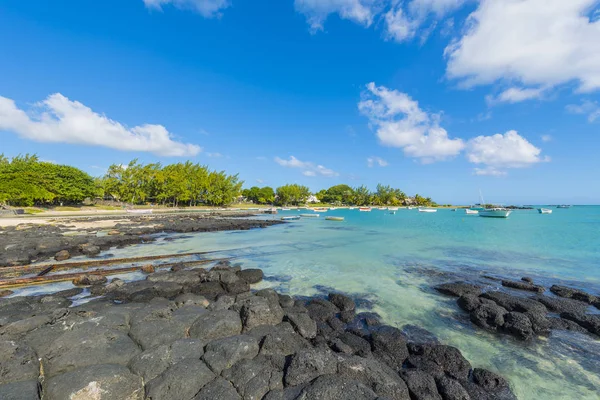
(28, 181)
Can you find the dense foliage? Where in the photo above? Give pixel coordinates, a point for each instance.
(27, 181)
(264, 195)
(292, 194)
(176, 184)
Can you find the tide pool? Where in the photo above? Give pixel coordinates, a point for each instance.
(392, 261)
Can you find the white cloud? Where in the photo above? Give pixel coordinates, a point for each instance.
(371, 161)
(206, 8)
(516, 95)
(214, 155)
(546, 138)
(317, 11)
(58, 119)
(399, 122)
(500, 152)
(591, 108)
(536, 43)
(260, 181)
(310, 169)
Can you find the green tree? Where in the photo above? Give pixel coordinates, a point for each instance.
(292, 194)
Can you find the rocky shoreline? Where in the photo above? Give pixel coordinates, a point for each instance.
(26, 243)
(205, 334)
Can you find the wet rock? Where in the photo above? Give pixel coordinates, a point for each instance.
(280, 340)
(90, 279)
(489, 380)
(439, 360)
(377, 376)
(69, 292)
(87, 346)
(321, 310)
(269, 294)
(223, 353)
(218, 389)
(588, 321)
(340, 347)
(147, 269)
(521, 285)
(222, 303)
(144, 291)
(487, 316)
(286, 301)
(216, 325)
(253, 379)
(514, 303)
(308, 364)
(303, 324)
(459, 289)
(18, 362)
(183, 278)
(110, 382)
(155, 361)
(210, 290)
(236, 287)
(421, 385)
(519, 325)
(258, 311)
(527, 279)
(344, 303)
(347, 316)
(190, 299)
(250, 276)
(388, 344)
(25, 325)
(24, 390)
(5, 292)
(62, 255)
(115, 284)
(576, 294)
(181, 381)
(416, 334)
(565, 325)
(451, 389)
(334, 387)
(89, 249)
(359, 345)
(561, 304)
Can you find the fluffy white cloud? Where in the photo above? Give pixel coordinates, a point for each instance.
(500, 152)
(591, 108)
(516, 95)
(58, 119)
(206, 8)
(317, 11)
(372, 161)
(537, 43)
(310, 169)
(399, 122)
(546, 138)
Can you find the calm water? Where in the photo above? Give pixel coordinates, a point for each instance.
(393, 260)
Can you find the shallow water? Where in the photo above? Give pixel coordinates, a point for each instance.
(393, 260)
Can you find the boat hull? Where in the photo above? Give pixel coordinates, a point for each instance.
(495, 213)
(427, 210)
(309, 215)
(334, 218)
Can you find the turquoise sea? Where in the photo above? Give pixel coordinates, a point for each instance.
(392, 261)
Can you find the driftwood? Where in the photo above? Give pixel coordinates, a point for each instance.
(39, 280)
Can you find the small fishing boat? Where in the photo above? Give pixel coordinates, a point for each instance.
(471, 212)
(271, 211)
(427, 210)
(496, 212)
(320, 209)
(291, 218)
(132, 211)
(334, 218)
(365, 209)
(563, 206)
(309, 215)
(352, 208)
(332, 208)
(393, 208)
(382, 208)
(285, 209)
(410, 208)
(544, 211)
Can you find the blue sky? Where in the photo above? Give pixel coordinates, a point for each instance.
(439, 97)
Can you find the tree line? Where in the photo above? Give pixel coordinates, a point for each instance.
(27, 181)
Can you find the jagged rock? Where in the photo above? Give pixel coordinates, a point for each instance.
(521, 285)
(380, 378)
(216, 325)
(25, 325)
(190, 299)
(488, 380)
(89, 249)
(565, 325)
(303, 324)
(439, 360)
(88, 346)
(334, 387)
(321, 310)
(110, 382)
(307, 364)
(268, 294)
(250, 276)
(359, 345)
(344, 303)
(18, 362)
(62, 255)
(514, 303)
(253, 379)
(451, 389)
(416, 334)
(561, 304)
(223, 353)
(147, 269)
(280, 340)
(210, 290)
(218, 389)
(258, 311)
(181, 381)
(144, 291)
(183, 278)
(459, 289)
(23, 390)
(286, 301)
(340, 347)
(488, 316)
(115, 284)
(527, 279)
(588, 321)
(5, 292)
(571, 293)
(90, 279)
(518, 324)
(421, 385)
(389, 345)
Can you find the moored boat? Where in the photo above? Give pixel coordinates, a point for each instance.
(563, 206)
(309, 215)
(393, 208)
(496, 212)
(132, 211)
(471, 212)
(291, 218)
(427, 210)
(271, 211)
(334, 218)
(320, 209)
(332, 208)
(365, 209)
(544, 211)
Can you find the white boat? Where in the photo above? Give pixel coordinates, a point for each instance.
(382, 208)
(334, 218)
(410, 208)
(352, 208)
(365, 209)
(393, 208)
(291, 218)
(333, 208)
(320, 209)
(271, 211)
(285, 209)
(139, 211)
(544, 211)
(427, 210)
(496, 212)
(309, 215)
(471, 212)
(563, 206)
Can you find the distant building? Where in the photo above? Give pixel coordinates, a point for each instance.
(312, 199)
